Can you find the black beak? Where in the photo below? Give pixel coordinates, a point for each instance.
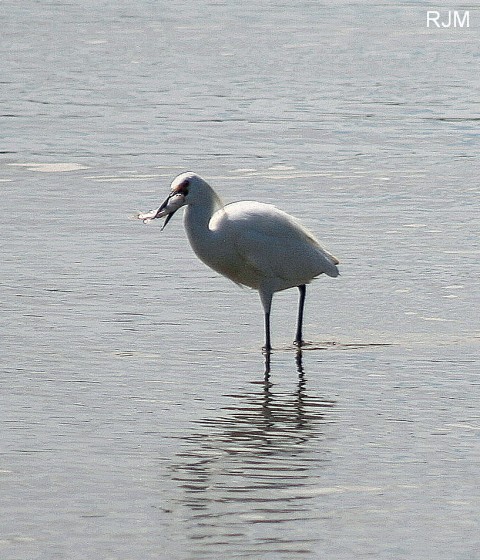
(169, 216)
(163, 205)
(167, 219)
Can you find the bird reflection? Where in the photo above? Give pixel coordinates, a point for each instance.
(298, 360)
(297, 408)
(267, 441)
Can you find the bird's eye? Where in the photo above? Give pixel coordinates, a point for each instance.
(183, 188)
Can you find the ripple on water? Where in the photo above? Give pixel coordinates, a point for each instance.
(257, 462)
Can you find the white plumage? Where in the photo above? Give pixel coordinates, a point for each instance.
(251, 243)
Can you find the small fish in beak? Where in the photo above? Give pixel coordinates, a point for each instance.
(168, 208)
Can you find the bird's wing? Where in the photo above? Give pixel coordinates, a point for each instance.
(276, 243)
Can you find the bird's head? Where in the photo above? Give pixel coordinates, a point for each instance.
(185, 188)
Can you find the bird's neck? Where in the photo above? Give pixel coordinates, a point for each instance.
(196, 222)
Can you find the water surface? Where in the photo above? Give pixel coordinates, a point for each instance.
(136, 418)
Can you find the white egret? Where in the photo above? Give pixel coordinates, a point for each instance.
(251, 243)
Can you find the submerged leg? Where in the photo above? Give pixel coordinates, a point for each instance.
(298, 337)
(266, 299)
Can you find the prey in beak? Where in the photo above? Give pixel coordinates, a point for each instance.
(174, 201)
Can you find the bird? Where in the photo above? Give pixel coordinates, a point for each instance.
(252, 243)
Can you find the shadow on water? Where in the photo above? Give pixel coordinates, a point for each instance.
(250, 473)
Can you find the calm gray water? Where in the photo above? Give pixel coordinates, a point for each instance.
(136, 421)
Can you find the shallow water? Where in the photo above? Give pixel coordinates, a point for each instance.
(137, 420)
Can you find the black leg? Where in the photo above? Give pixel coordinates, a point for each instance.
(268, 346)
(266, 299)
(298, 338)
